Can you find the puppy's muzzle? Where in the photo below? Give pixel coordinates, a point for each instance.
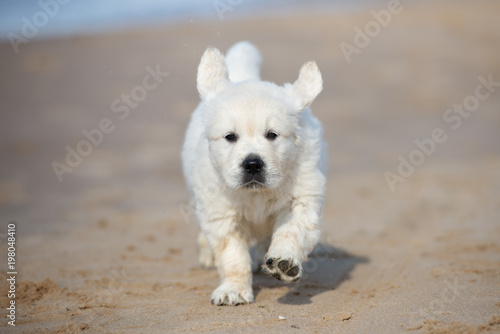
(253, 171)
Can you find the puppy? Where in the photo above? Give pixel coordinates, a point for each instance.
(254, 161)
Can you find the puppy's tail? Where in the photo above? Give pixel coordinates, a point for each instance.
(243, 62)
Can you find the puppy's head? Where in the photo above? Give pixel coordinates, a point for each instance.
(253, 127)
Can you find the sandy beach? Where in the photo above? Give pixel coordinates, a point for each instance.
(106, 240)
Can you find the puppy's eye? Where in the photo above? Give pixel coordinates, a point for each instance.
(231, 137)
(271, 135)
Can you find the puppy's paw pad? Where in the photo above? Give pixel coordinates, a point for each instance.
(288, 270)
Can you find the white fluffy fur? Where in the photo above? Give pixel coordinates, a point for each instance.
(284, 214)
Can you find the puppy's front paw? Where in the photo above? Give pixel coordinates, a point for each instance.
(287, 270)
(232, 294)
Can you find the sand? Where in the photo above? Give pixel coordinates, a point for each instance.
(112, 247)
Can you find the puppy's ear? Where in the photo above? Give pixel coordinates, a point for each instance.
(212, 74)
(308, 85)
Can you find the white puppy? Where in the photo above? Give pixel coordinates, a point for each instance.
(254, 161)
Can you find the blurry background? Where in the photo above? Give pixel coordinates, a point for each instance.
(112, 238)
(92, 16)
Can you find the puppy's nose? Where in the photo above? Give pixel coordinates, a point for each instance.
(253, 164)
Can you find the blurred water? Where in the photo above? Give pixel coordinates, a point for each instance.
(54, 18)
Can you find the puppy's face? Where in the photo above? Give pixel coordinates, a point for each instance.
(252, 133)
(253, 127)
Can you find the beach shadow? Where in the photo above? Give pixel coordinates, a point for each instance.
(326, 269)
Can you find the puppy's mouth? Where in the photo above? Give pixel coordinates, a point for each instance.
(253, 184)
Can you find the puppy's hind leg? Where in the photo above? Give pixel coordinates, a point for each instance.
(259, 252)
(205, 254)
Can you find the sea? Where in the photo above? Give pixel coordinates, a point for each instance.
(65, 18)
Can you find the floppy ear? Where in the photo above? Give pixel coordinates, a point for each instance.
(308, 85)
(212, 73)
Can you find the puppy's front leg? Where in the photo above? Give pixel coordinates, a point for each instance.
(295, 236)
(232, 259)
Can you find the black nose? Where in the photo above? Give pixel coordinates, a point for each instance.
(253, 164)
